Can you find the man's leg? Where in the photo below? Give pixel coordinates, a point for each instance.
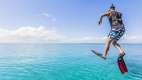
(116, 45)
(107, 46)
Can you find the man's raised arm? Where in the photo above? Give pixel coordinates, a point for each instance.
(103, 15)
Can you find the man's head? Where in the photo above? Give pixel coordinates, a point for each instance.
(112, 7)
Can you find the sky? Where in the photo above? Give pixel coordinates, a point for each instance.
(71, 21)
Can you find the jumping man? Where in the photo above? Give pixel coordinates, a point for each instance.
(116, 32)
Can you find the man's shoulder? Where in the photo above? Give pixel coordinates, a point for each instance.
(118, 12)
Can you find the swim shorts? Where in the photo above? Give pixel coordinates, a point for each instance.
(116, 34)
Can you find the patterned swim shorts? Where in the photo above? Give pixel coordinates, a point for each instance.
(116, 34)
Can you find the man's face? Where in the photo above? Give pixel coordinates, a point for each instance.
(111, 9)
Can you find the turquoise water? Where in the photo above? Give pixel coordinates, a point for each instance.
(66, 62)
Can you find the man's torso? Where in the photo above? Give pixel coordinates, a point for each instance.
(115, 19)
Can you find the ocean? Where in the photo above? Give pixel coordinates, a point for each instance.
(67, 62)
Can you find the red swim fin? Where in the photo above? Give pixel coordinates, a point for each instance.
(122, 65)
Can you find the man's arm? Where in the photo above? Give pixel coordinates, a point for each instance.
(103, 15)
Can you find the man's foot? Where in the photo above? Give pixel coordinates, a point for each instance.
(99, 54)
(121, 55)
(104, 57)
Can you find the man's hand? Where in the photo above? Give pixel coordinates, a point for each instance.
(100, 22)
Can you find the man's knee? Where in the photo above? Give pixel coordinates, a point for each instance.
(108, 41)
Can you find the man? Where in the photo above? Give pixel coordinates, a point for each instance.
(117, 30)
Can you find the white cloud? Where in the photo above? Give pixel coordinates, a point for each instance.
(29, 34)
(49, 16)
(132, 39)
(41, 34)
(85, 39)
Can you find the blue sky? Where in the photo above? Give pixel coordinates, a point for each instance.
(67, 20)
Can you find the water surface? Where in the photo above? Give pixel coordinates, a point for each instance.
(66, 62)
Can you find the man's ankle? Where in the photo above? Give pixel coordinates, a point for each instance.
(121, 54)
(104, 57)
